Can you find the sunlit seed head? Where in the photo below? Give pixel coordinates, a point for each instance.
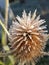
(29, 36)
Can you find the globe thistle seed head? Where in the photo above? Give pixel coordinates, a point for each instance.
(29, 36)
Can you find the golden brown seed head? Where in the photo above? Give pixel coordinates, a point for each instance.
(28, 37)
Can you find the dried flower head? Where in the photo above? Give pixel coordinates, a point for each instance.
(29, 37)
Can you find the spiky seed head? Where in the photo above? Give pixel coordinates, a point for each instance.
(29, 37)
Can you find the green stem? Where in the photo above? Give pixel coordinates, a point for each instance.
(4, 28)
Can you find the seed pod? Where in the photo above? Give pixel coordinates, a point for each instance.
(29, 37)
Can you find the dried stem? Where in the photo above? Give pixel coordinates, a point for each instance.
(6, 12)
(6, 19)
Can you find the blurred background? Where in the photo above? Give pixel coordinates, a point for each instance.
(16, 7)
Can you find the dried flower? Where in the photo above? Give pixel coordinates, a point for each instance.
(29, 37)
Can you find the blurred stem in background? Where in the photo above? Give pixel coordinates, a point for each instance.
(5, 47)
(5, 32)
(4, 35)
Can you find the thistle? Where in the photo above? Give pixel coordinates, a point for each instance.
(28, 37)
